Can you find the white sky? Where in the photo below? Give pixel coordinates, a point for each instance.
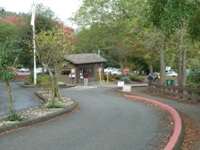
(63, 9)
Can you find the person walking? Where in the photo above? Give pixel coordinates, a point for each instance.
(85, 76)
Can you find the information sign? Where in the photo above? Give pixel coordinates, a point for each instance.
(126, 88)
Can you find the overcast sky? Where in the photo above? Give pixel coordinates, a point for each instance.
(63, 9)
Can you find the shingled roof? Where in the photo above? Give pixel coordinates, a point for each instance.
(85, 58)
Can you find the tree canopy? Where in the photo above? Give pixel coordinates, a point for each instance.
(110, 26)
(53, 47)
(153, 31)
(9, 52)
(7, 30)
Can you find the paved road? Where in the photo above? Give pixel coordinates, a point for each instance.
(23, 97)
(106, 121)
(189, 109)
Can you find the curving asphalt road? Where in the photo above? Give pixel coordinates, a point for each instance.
(23, 97)
(105, 121)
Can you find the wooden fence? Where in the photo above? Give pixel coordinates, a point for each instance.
(176, 92)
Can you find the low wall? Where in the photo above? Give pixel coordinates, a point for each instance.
(20, 77)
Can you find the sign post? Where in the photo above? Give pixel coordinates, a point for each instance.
(107, 81)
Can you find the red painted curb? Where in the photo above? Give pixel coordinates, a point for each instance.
(176, 118)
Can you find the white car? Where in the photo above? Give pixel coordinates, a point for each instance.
(24, 70)
(171, 73)
(39, 70)
(109, 70)
(116, 72)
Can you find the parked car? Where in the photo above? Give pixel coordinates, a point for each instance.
(24, 70)
(109, 70)
(116, 72)
(171, 73)
(39, 70)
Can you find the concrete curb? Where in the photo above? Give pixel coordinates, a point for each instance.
(37, 120)
(178, 133)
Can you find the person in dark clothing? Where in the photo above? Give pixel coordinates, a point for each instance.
(150, 78)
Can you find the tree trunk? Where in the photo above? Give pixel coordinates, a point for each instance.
(162, 66)
(180, 68)
(122, 63)
(182, 62)
(184, 75)
(151, 69)
(9, 96)
(54, 88)
(172, 60)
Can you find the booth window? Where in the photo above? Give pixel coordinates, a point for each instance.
(65, 72)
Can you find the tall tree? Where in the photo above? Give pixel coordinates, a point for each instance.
(7, 30)
(2, 10)
(155, 44)
(45, 20)
(46, 12)
(113, 25)
(194, 25)
(8, 49)
(194, 55)
(168, 16)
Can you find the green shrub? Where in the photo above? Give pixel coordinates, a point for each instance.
(116, 76)
(136, 78)
(43, 79)
(53, 105)
(14, 116)
(193, 79)
(29, 80)
(126, 79)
